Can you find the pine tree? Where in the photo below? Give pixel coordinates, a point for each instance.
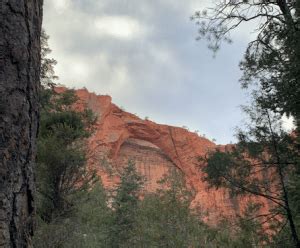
(20, 31)
(125, 205)
(61, 160)
(165, 218)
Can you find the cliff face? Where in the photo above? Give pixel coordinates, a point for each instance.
(120, 136)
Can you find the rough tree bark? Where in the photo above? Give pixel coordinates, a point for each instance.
(20, 29)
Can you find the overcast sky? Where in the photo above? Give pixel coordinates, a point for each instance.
(144, 54)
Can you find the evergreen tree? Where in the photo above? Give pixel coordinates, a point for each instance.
(20, 31)
(125, 205)
(93, 219)
(61, 168)
(260, 164)
(88, 226)
(61, 159)
(165, 218)
(48, 76)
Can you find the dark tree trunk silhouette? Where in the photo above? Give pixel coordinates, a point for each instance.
(20, 29)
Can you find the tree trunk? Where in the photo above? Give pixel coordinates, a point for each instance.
(20, 29)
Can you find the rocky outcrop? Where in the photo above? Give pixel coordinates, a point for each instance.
(155, 148)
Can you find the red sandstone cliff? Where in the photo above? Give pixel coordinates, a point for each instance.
(155, 148)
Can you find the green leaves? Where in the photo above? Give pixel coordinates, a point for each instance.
(218, 168)
(61, 159)
(125, 205)
(47, 73)
(165, 218)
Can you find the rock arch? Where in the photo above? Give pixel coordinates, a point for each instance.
(115, 126)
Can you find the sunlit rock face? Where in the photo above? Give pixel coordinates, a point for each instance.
(150, 161)
(156, 149)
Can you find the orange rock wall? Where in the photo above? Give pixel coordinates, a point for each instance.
(150, 161)
(155, 148)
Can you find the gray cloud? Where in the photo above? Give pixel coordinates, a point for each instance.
(144, 54)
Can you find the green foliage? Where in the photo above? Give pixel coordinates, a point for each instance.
(271, 65)
(47, 64)
(124, 205)
(94, 219)
(260, 164)
(161, 219)
(218, 166)
(87, 227)
(249, 228)
(61, 159)
(166, 220)
(56, 234)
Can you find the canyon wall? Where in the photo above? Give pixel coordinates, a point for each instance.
(156, 149)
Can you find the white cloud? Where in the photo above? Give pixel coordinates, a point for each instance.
(80, 69)
(121, 27)
(73, 70)
(121, 76)
(196, 5)
(162, 55)
(61, 5)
